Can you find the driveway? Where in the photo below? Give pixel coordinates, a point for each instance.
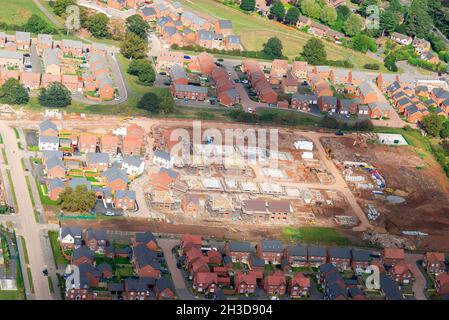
(177, 277)
(420, 280)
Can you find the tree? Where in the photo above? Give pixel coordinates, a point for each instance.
(277, 9)
(248, 5)
(395, 6)
(151, 102)
(12, 92)
(133, 46)
(390, 62)
(292, 15)
(97, 24)
(273, 47)
(56, 95)
(143, 69)
(353, 25)
(418, 22)
(310, 8)
(36, 24)
(433, 124)
(388, 21)
(329, 122)
(137, 25)
(79, 199)
(314, 52)
(117, 29)
(343, 12)
(362, 42)
(60, 6)
(444, 133)
(328, 15)
(365, 4)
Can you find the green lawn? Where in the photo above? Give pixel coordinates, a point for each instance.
(42, 189)
(5, 158)
(30, 279)
(318, 235)
(255, 30)
(13, 191)
(11, 295)
(25, 251)
(50, 285)
(29, 191)
(56, 248)
(19, 11)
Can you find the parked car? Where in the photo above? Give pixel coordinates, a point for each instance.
(220, 59)
(339, 133)
(163, 73)
(109, 213)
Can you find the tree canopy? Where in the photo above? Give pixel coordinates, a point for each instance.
(98, 25)
(328, 15)
(152, 103)
(56, 95)
(77, 200)
(12, 92)
(418, 22)
(292, 15)
(310, 8)
(36, 24)
(277, 9)
(248, 5)
(314, 52)
(433, 124)
(134, 46)
(59, 6)
(353, 25)
(143, 69)
(136, 24)
(273, 47)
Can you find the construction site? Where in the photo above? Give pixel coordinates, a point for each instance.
(243, 184)
(401, 191)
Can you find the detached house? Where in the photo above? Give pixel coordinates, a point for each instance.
(70, 237)
(48, 143)
(299, 70)
(97, 161)
(245, 283)
(360, 260)
(133, 166)
(401, 273)
(434, 262)
(275, 284)
(81, 255)
(55, 168)
(72, 47)
(303, 101)
(299, 285)
(96, 240)
(162, 159)
(401, 39)
(391, 256)
(116, 179)
(30, 80)
(55, 187)
(279, 69)
(327, 104)
(23, 40)
(125, 199)
(205, 282)
(51, 61)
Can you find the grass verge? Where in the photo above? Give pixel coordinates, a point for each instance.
(5, 158)
(315, 235)
(30, 279)
(56, 249)
(25, 251)
(11, 185)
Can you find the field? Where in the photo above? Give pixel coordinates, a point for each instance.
(412, 173)
(19, 11)
(255, 30)
(314, 235)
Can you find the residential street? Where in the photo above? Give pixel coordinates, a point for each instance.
(27, 227)
(420, 280)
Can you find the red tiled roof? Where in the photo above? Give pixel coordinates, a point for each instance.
(394, 253)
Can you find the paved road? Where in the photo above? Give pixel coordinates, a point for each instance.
(28, 227)
(420, 280)
(177, 277)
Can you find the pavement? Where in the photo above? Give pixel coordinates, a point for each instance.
(25, 223)
(420, 280)
(178, 279)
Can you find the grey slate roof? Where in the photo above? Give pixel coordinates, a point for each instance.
(132, 160)
(317, 251)
(23, 36)
(78, 181)
(173, 174)
(54, 162)
(341, 253)
(366, 87)
(239, 246)
(225, 24)
(360, 255)
(272, 246)
(47, 124)
(72, 44)
(297, 251)
(82, 251)
(164, 283)
(162, 154)
(115, 173)
(390, 288)
(329, 100)
(121, 194)
(47, 154)
(49, 139)
(51, 57)
(380, 105)
(97, 157)
(394, 86)
(190, 88)
(145, 237)
(75, 232)
(148, 11)
(55, 183)
(177, 72)
(256, 262)
(97, 234)
(234, 39)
